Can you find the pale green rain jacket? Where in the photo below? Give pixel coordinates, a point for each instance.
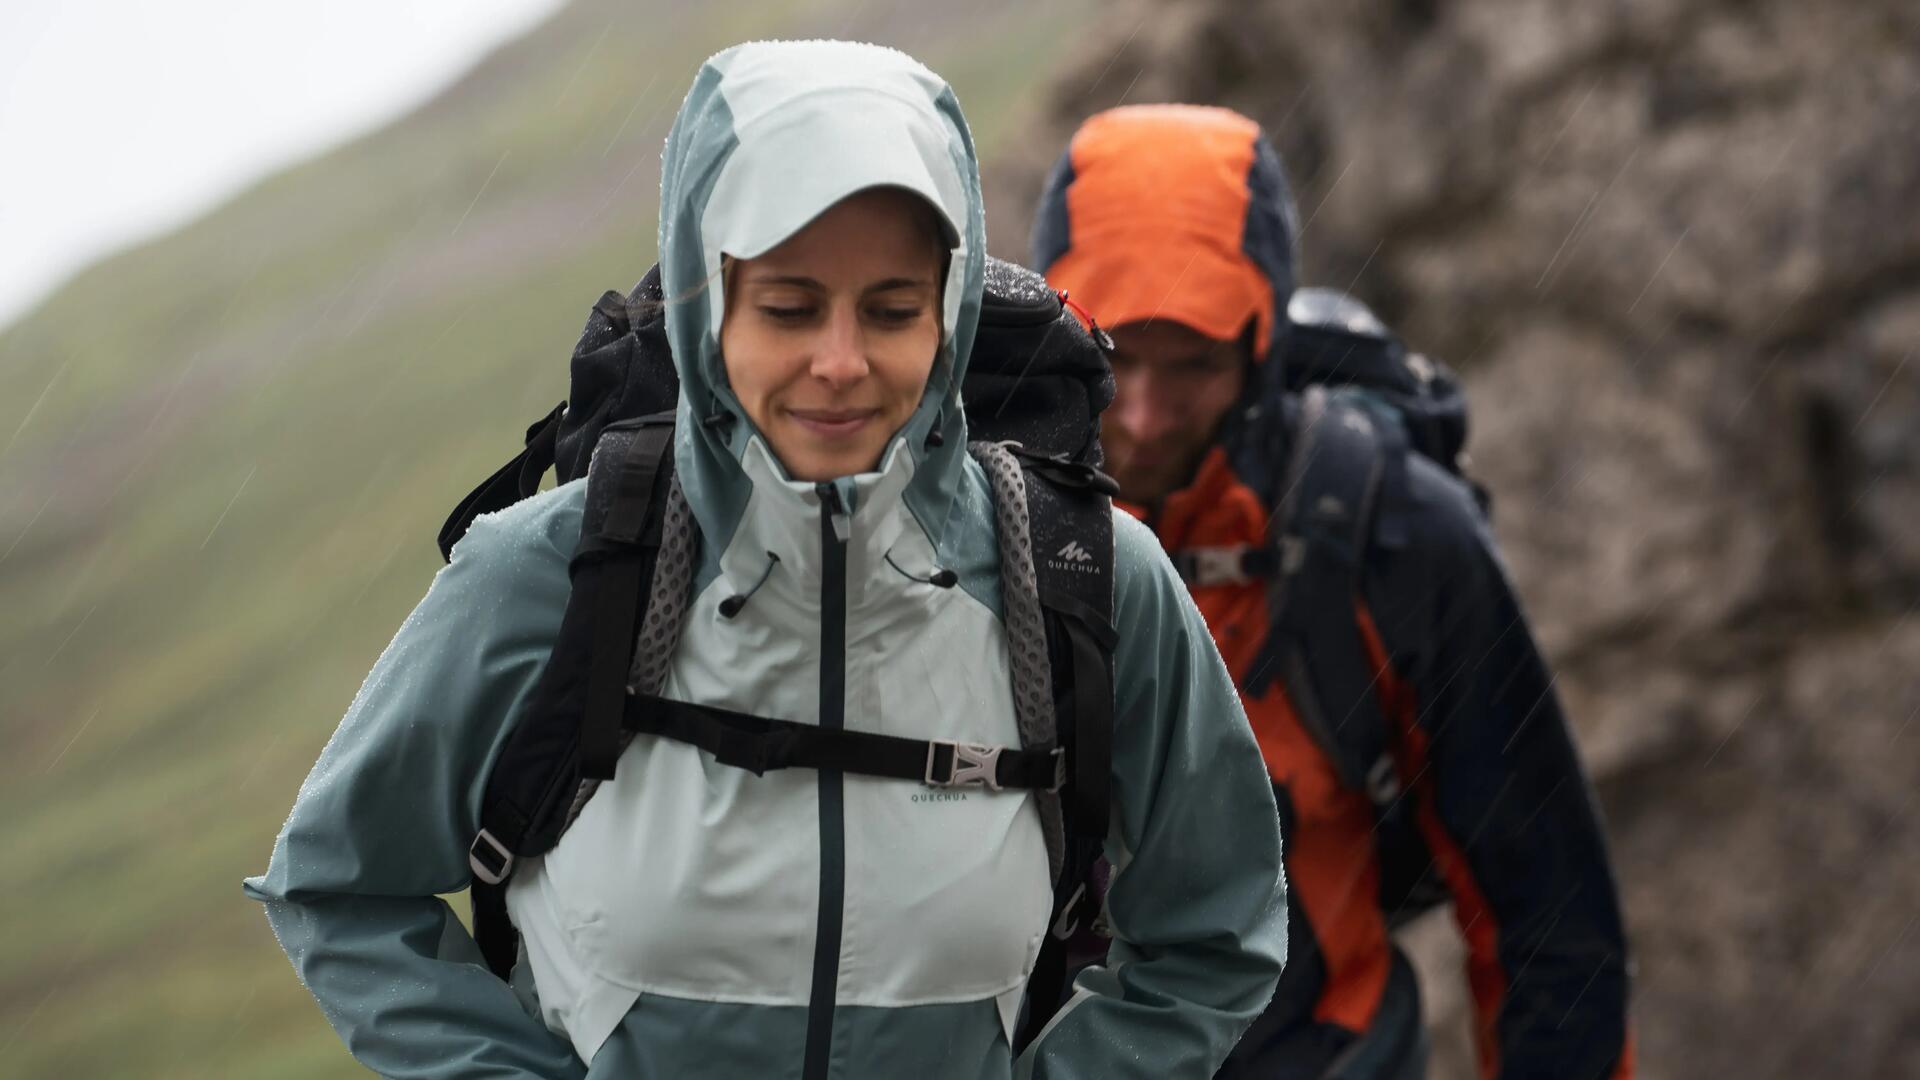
(700, 921)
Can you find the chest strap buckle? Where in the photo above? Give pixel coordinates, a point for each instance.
(955, 764)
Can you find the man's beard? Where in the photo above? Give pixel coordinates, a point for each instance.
(1150, 482)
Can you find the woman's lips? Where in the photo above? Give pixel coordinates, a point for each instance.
(833, 423)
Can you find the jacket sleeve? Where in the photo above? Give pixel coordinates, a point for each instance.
(380, 828)
(1508, 813)
(1197, 901)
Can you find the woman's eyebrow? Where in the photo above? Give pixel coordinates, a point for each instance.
(801, 281)
(796, 280)
(890, 284)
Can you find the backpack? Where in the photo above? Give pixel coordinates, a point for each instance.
(1036, 384)
(1344, 407)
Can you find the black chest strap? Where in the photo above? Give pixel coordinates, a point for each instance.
(761, 744)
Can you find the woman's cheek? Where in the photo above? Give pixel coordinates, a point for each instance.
(752, 358)
(914, 366)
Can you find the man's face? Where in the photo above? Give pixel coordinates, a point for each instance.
(1175, 386)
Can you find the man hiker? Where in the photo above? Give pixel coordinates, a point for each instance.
(1303, 472)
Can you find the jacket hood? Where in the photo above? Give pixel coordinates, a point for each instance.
(1178, 212)
(771, 135)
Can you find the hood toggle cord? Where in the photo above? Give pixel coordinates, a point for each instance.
(939, 579)
(1100, 337)
(731, 605)
(718, 421)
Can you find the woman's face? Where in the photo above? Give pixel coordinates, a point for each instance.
(828, 338)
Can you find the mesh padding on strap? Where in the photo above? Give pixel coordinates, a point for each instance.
(1026, 627)
(667, 600)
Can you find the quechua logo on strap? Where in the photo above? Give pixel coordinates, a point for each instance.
(1072, 556)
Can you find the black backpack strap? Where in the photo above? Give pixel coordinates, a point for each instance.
(631, 531)
(1026, 628)
(493, 928)
(1089, 641)
(571, 726)
(516, 480)
(573, 719)
(1341, 458)
(1071, 513)
(1056, 537)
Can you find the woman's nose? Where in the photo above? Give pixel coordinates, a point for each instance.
(840, 357)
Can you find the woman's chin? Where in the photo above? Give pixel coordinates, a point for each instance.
(815, 463)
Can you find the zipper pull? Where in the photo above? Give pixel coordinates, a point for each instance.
(831, 502)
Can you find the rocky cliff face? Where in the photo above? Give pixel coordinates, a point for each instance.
(1675, 247)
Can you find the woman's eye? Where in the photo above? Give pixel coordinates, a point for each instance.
(896, 315)
(785, 314)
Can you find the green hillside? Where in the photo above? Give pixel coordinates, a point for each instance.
(223, 458)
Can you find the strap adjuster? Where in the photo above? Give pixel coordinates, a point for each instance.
(1059, 756)
(1218, 565)
(1383, 783)
(492, 862)
(967, 764)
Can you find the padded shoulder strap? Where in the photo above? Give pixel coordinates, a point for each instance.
(1056, 540)
(570, 731)
(550, 744)
(1072, 552)
(628, 533)
(1057, 583)
(1032, 673)
(1340, 458)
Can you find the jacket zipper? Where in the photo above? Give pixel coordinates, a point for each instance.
(835, 524)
